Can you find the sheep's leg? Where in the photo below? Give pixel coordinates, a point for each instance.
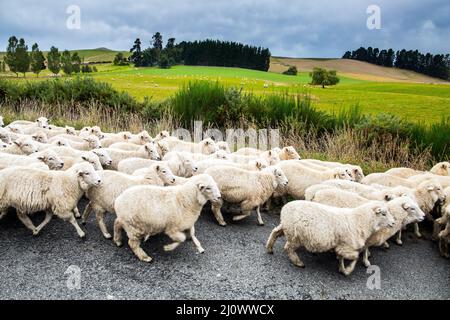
(244, 215)
(76, 212)
(135, 245)
(217, 214)
(366, 258)
(348, 270)
(195, 240)
(268, 204)
(48, 217)
(178, 237)
(443, 248)
(118, 232)
(87, 211)
(27, 222)
(258, 215)
(436, 229)
(3, 214)
(293, 256)
(100, 216)
(274, 235)
(73, 222)
(416, 230)
(386, 245)
(398, 239)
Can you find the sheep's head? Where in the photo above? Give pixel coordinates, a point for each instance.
(223, 145)
(162, 147)
(384, 218)
(152, 151)
(70, 130)
(221, 154)
(3, 145)
(42, 122)
(289, 153)
(165, 174)
(93, 142)
(355, 172)
(163, 134)
(414, 213)
(96, 131)
(125, 135)
(26, 145)
(187, 164)
(92, 159)
(15, 129)
(280, 178)
(51, 159)
(442, 169)
(341, 173)
(272, 157)
(144, 137)
(434, 191)
(40, 136)
(103, 156)
(87, 176)
(207, 189)
(5, 136)
(1, 122)
(208, 146)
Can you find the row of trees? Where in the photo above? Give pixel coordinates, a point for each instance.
(19, 60)
(433, 65)
(224, 54)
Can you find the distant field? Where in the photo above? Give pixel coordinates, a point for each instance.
(415, 101)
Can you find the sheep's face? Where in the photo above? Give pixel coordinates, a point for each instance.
(1, 122)
(162, 148)
(435, 191)
(87, 176)
(92, 159)
(103, 156)
(414, 213)
(144, 137)
(152, 151)
(222, 145)
(384, 217)
(5, 136)
(208, 190)
(188, 164)
(125, 135)
(208, 146)
(443, 169)
(343, 174)
(221, 154)
(163, 134)
(70, 130)
(93, 142)
(27, 146)
(356, 173)
(272, 157)
(289, 153)
(280, 177)
(42, 122)
(96, 131)
(61, 143)
(40, 137)
(52, 160)
(165, 174)
(15, 129)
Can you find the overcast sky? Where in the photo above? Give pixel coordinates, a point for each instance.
(300, 28)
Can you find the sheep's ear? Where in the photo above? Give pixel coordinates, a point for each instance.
(430, 188)
(158, 168)
(387, 198)
(80, 173)
(336, 175)
(60, 143)
(17, 143)
(444, 166)
(270, 152)
(258, 164)
(86, 139)
(142, 138)
(378, 210)
(84, 158)
(42, 158)
(405, 206)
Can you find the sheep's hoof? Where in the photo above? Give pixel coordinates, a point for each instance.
(418, 235)
(107, 236)
(146, 259)
(399, 242)
(367, 263)
(386, 245)
(35, 232)
(118, 243)
(223, 224)
(260, 224)
(83, 222)
(201, 250)
(269, 251)
(82, 235)
(299, 264)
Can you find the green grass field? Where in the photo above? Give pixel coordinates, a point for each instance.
(417, 102)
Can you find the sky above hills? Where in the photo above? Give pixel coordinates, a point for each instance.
(301, 28)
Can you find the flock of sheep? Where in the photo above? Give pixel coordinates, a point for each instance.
(160, 185)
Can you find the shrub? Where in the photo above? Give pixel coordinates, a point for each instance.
(291, 71)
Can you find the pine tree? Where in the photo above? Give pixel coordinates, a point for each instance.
(76, 62)
(54, 60)
(10, 57)
(66, 62)
(37, 60)
(22, 57)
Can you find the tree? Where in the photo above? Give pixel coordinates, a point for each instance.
(120, 60)
(291, 71)
(22, 57)
(86, 68)
(3, 66)
(54, 60)
(157, 41)
(37, 60)
(76, 62)
(136, 53)
(170, 43)
(66, 62)
(10, 57)
(165, 62)
(324, 77)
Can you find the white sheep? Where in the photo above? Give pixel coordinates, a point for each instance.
(223, 145)
(89, 142)
(254, 165)
(50, 159)
(182, 165)
(22, 146)
(405, 211)
(301, 177)
(53, 131)
(29, 126)
(443, 180)
(387, 180)
(162, 135)
(321, 228)
(125, 146)
(441, 168)
(220, 154)
(118, 137)
(206, 146)
(5, 135)
(55, 192)
(250, 189)
(355, 171)
(143, 211)
(146, 151)
(40, 136)
(87, 156)
(95, 130)
(271, 156)
(141, 138)
(341, 198)
(101, 199)
(103, 156)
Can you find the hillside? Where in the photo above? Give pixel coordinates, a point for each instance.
(353, 69)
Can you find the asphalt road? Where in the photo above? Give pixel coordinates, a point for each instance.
(234, 266)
